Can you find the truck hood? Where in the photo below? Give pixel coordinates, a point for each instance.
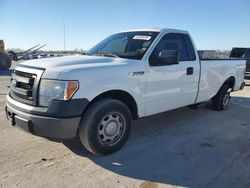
(54, 66)
(88, 61)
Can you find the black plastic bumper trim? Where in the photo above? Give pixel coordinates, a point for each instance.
(56, 109)
(48, 127)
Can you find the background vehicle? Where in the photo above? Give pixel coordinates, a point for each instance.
(243, 53)
(5, 61)
(129, 75)
(31, 53)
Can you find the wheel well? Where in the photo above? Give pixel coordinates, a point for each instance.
(230, 82)
(122, 96)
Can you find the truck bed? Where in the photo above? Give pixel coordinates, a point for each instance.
(221, 59)
(213, 74)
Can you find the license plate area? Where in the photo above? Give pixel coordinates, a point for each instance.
(19, 122)
(10, 116)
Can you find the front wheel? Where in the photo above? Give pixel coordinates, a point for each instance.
(105, 127)
(221, 100)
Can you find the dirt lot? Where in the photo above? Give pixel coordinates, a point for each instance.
(184, 147)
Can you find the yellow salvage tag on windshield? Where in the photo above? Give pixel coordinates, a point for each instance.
(142, 37)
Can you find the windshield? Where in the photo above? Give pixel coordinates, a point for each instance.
(130, 45)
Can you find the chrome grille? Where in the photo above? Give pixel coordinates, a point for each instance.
(22, 85)
(23, 74)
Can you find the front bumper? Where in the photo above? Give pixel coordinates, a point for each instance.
(44, 122)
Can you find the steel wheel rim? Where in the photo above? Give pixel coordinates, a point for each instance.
(111, 128)
(226, 100)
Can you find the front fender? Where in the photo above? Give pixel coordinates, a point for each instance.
(136, 88)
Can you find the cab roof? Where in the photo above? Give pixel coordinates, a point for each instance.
(158, 30)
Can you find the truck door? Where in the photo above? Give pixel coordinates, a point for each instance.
(176, 85)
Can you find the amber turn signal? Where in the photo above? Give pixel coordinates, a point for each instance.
(72, 87)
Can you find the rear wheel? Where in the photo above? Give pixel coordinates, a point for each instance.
(221, 101)
(105, 126)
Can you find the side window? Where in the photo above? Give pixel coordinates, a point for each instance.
(171, 41)
(190, 48)
(247, 54)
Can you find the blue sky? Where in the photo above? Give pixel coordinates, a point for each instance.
(214, 24)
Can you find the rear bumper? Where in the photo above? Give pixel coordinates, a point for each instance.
(53, 127)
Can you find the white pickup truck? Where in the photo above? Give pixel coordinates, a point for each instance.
(129, 75)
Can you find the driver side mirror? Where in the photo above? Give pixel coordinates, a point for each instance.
(169, 57)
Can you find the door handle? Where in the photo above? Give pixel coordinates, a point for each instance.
(190, 71)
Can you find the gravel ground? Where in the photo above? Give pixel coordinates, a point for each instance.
(184, 147)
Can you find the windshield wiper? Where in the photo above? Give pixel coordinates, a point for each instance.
(106, 54)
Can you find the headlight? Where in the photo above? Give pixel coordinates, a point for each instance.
(56, 90)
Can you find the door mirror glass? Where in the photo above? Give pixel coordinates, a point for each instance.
(169, 57)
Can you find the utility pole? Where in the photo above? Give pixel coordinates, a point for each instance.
(64, 44)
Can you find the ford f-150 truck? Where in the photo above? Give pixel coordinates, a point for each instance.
(129, 75)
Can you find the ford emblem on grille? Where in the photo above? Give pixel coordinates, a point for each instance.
(14, 83)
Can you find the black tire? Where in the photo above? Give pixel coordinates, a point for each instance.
(221, 100)
(5, 61)
(101, 119)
